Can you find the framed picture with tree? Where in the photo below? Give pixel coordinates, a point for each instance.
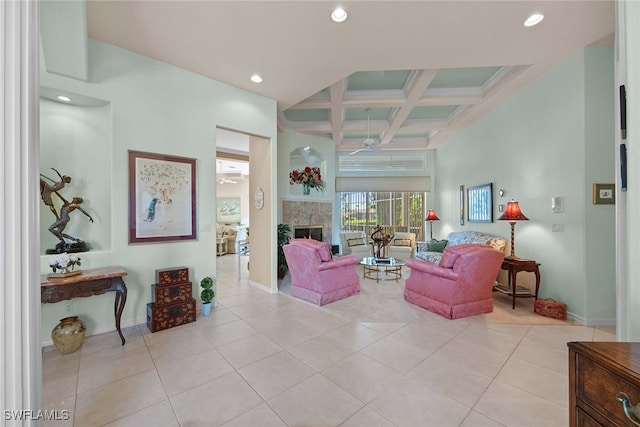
(162, 198)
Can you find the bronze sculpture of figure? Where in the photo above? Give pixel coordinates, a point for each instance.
(46, 189)
(379, 241)
(59, 225)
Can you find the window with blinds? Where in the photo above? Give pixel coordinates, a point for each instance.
(394, 211)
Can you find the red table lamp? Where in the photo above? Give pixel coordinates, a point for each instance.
(512, 213)
(431, 216)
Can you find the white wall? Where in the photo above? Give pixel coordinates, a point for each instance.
(538, 144)
(289, 140)
(628, 207)
(157, 108)
(71, 139)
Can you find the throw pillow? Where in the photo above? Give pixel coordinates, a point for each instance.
(402, 242)
(324, 251)
(437, 245)
(449, 258)
(355, 242)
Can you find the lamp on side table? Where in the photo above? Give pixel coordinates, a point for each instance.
(512, 213)
(431, 216)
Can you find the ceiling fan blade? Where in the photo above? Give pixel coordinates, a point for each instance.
(361, 149)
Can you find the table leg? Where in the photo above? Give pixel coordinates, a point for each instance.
(537, 273)
(118, 306)
(512, 283)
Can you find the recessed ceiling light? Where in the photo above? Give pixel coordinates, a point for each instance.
(534, 19)
(339, 15)
(63, 98)
(256, 78)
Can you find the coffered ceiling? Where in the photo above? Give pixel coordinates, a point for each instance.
(422, 70)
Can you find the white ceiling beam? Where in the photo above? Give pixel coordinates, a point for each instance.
(336, 94)
(419, 84)
(449, 100)
(431, 97)
(347, 126)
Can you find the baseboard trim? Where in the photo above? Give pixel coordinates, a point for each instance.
(262, 287)
(592, 323)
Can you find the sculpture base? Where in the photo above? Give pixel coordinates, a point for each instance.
(69, 248)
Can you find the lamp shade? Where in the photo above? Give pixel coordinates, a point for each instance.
(513, 213)
(431, 216)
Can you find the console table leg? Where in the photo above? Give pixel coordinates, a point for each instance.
(118, 307)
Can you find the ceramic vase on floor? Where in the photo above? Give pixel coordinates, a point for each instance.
(67, 336)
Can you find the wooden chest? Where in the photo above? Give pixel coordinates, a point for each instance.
(163, 295)
(160, 318)
(172, 276)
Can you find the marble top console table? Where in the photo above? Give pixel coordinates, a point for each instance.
(94, 281)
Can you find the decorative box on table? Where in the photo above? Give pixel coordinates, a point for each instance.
(172, 300)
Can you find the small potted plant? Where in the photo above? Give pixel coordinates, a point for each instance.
(283, 239)
(207, 294)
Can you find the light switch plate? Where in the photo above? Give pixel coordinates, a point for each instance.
(557, 228)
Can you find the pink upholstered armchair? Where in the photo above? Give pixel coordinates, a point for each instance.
(316, 276)
(461, 285)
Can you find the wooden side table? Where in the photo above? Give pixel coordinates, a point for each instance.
(94, 281)
(221, 246)
(513, 266)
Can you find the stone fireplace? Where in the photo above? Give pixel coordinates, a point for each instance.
(312, 215)
(308, 232)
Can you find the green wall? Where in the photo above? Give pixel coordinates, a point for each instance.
(152, 107)
(553, 138)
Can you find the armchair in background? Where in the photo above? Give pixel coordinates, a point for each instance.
(316, 276)
(401, 247)
(230, 234)
(460, 285)
(355, 243)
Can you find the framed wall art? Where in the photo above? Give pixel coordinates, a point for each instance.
(480, 203)
(462, 205)
(162, 198)
(604, 194)
(228, 209)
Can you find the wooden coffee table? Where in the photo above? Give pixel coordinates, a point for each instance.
(391, 268)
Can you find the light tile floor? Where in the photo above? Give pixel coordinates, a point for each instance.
(368, 360)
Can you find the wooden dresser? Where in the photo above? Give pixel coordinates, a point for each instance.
(598, 372)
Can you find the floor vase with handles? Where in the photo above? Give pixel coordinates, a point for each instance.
(67, 336)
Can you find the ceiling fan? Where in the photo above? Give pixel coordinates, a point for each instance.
(369, 143)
